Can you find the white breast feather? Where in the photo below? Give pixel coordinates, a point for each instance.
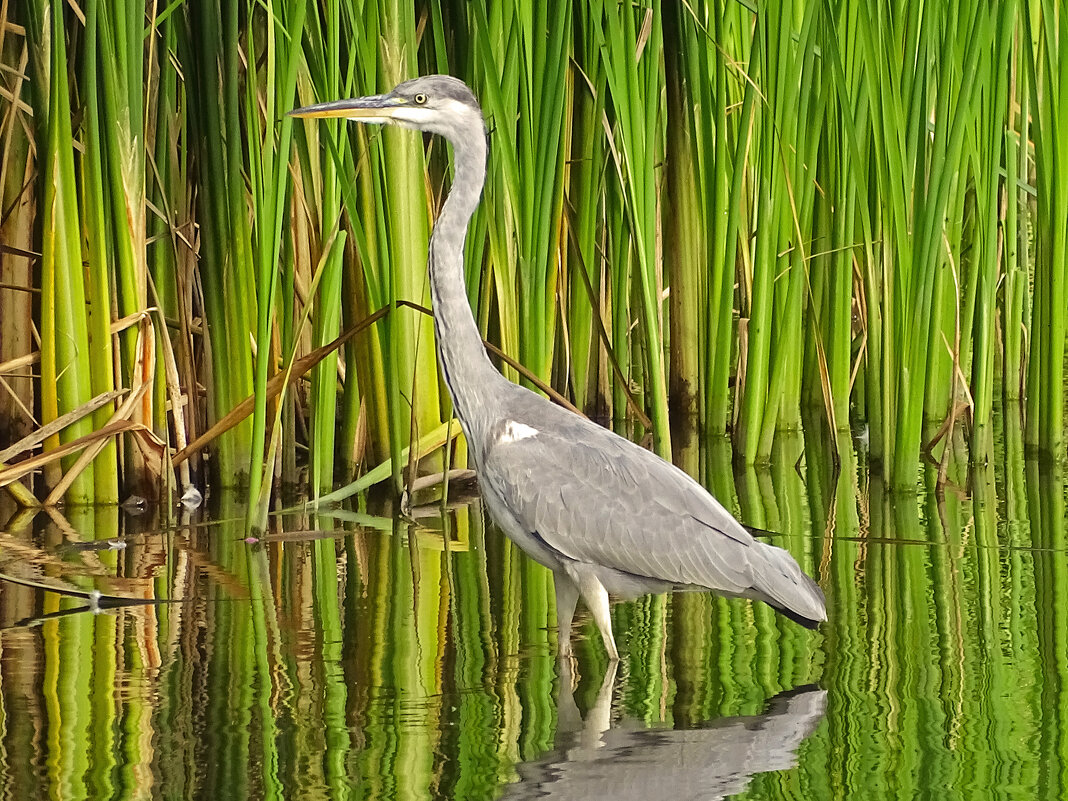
(513, 432)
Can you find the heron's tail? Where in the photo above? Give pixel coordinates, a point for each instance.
(780, 583)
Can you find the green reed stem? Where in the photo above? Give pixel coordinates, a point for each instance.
(65, 370)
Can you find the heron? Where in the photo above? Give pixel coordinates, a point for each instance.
(605, 515)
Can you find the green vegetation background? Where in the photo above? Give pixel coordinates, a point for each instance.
(700, 219)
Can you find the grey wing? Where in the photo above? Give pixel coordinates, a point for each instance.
(596, 498)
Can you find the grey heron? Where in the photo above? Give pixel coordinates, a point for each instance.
(605, 515)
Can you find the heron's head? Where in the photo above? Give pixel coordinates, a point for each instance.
(439, 104)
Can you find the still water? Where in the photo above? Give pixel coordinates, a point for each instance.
(368, 655)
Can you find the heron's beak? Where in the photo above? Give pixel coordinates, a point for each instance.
(375, 108)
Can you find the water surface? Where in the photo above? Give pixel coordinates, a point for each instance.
(364, 655)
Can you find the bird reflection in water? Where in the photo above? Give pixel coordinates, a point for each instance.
(595, 758)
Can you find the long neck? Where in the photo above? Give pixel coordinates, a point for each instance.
(468, 371)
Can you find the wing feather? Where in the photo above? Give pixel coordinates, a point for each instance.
(597, 498)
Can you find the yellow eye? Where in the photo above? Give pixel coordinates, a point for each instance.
(420, 99)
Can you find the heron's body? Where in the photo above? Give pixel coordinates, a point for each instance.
(603, 514)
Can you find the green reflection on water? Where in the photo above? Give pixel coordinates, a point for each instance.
(417, 661)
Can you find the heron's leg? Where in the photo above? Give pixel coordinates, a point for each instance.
(596, 597)
(567, 595)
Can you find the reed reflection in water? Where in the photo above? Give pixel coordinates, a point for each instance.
(361, 656)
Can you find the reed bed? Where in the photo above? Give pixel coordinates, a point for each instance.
(700, 220)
